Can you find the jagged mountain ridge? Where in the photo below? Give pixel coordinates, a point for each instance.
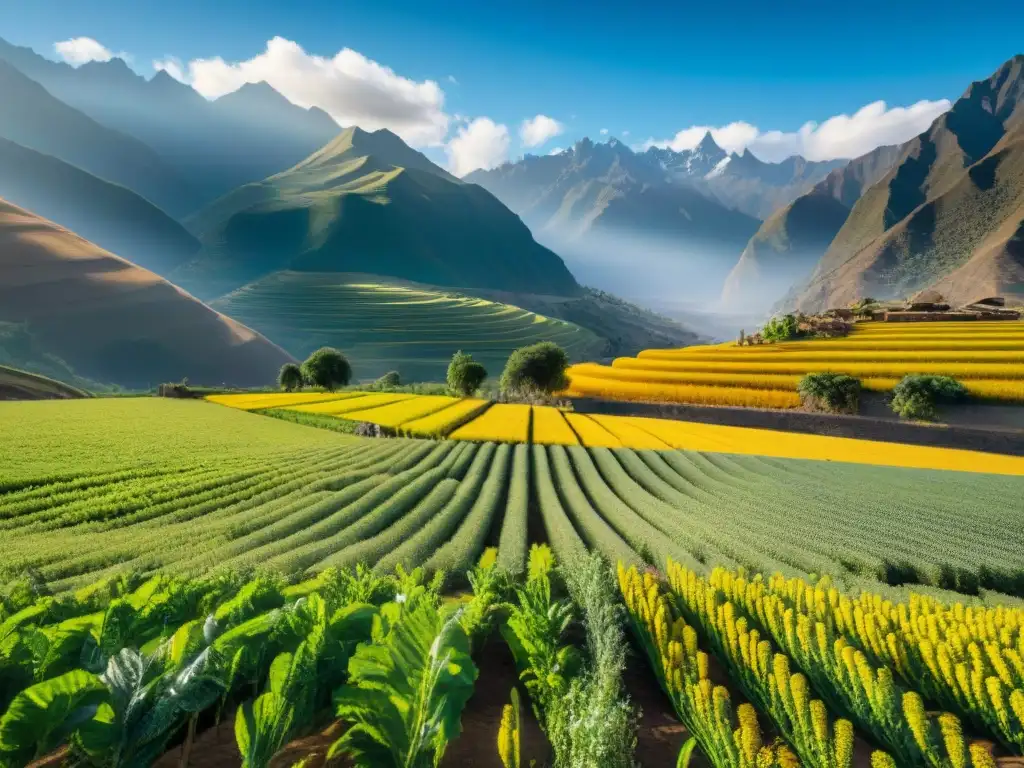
(788, 245)
(216, 145)
(32, 117)
(955, 195)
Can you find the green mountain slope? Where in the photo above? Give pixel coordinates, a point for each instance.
(70, 303)
(112, 216)
(33, 118)
(368, 203)
(383, 324)
(22, 385)
(955, 186)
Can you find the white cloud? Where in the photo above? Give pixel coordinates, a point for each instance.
(841, 136)
(173, 67)
(556, 151)
(451, 79)
(351, 88)
(604, 131)
(625, 133)
(538, 130)
(80, 50)
(480, 144)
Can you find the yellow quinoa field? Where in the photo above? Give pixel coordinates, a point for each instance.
(988, 358)
(396, 414)
(478, 420)
(440, 423)
(257, 400)
(501, 423)
(591, 433)
(551, 428)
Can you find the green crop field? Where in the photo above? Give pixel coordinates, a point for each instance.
(237, 561)
(383, 327)
(152, 484)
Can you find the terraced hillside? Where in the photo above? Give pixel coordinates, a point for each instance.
(988, 357)
(383, 326)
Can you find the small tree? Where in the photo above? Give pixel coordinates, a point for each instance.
(916, 396)
(388, 380)
(781, 328)
(833, 392)
(465, 375)
(327, 368)
(290, 377)
(539, 368)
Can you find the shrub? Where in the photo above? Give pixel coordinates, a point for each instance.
(916, 396)
(537, 368)
(781, 328)
(465, 375)
(388, 380)
(833, 392)
(368, 429)
(290, 377)
(327, 368)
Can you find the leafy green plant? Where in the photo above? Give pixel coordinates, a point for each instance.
(594, 722)
(43, 716)
(916, 396)
(263, 726)
(406, 690)
(465, 375)
(537, 368)
(290, 377)
(781, 328)
(327, 368)
(535, 631)
(832, 392)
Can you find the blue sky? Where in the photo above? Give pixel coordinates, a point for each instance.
(652, 69)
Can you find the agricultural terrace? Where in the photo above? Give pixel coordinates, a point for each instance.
(477, 420)
(779, 577)
(384, 327)
(988, 357)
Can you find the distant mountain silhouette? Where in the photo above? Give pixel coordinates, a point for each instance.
(112, 216)
(34, 118)
(241, 137)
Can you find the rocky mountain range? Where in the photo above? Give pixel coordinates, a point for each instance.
(214, 146)
(948, 214)
(618, 215)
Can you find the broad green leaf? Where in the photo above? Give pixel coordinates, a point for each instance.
(44, 714)
(406, 692)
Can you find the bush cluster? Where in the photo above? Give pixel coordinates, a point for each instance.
(781, 328)
(916, 396)
(832, 392)
(326, 368)
(465, 375)
(536, 368)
